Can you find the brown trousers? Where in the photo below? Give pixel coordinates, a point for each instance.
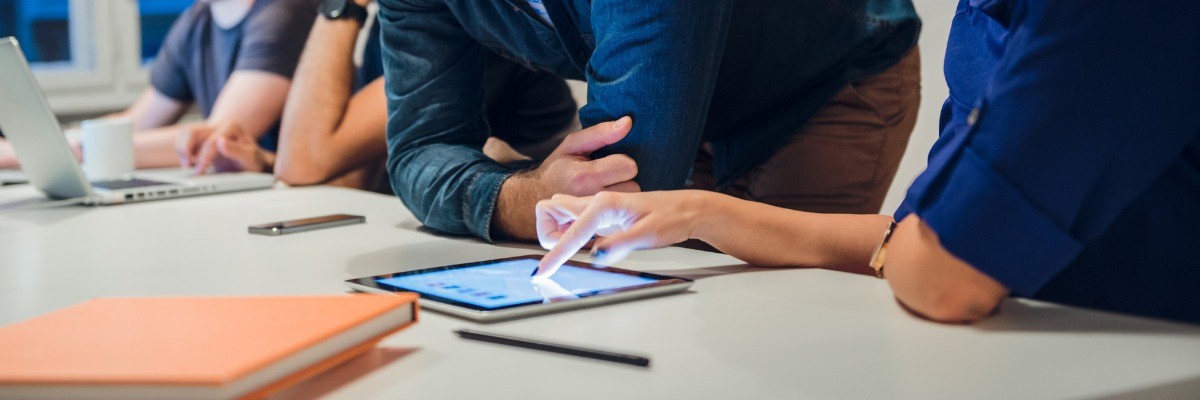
(843, 160)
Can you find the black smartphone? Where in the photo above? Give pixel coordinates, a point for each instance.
(306, 224)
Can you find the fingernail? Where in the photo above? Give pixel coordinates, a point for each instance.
(622, 123)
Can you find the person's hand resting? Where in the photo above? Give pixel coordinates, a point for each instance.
(624, 221)
(224, 147)
(568, 170)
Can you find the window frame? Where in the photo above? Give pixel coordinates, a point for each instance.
(105, 73)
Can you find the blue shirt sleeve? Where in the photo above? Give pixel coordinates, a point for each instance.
(1090, 103)
(274, 37)
(168, 74)
(656, 62)
(436, 127)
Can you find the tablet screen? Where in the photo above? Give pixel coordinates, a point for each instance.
(506, 283)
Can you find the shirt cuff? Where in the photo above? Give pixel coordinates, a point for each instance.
(480, 204)
(981, 218)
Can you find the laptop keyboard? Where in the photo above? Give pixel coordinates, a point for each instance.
(126, 184)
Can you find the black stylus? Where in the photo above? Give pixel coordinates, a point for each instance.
(554, 348)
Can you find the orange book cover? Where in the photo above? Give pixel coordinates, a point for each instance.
(194, 341)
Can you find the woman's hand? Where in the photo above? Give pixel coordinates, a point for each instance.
(625, 221)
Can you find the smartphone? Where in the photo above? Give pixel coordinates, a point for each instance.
(306, 224)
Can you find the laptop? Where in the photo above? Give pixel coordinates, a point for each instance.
(49, 164)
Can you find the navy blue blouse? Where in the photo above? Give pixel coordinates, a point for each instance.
(1068, 166)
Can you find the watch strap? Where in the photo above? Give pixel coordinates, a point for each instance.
(879, 256)
(351, 9)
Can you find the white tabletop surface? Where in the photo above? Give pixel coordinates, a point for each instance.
(741, 333)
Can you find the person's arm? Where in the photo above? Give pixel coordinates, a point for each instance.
(253, 97)
(436, 128)
(153, 110)
(325, 131)
(657, 62)
(1089, 106)
(252, 100)
(154, 116)
(753, 232)
(926, 277)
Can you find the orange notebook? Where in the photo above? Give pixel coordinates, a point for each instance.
(191, 347)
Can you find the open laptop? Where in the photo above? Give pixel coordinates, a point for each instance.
(49, 164)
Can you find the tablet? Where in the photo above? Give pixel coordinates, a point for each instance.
(502, 289)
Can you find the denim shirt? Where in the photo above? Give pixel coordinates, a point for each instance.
(1068, 167)
(743, 75)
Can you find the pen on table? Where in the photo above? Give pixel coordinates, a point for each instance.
(554, 348)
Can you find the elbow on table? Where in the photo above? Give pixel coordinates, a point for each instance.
(959, 305)
(294, 176)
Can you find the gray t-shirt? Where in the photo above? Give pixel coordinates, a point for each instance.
(198, 56)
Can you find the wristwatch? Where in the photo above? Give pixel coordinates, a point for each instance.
(880, 254)
(338, 9)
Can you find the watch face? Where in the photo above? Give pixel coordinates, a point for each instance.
(333, 9)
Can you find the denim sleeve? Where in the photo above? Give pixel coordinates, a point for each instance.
(657, 62)
(436, 129)
(1090, 104)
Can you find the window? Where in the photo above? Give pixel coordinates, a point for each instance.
(42, 26)
(89, 55)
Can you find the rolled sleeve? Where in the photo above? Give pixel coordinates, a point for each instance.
(656, 62)
(436, 127)
(167, 73)
(1085, 110)
(982, 218)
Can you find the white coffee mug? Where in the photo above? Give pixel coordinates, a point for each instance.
(107, 146)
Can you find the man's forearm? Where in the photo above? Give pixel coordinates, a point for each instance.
(765, 235)
(320, 92)
(513, 216)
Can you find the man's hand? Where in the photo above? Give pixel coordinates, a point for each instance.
(568, 170)
(225, 147)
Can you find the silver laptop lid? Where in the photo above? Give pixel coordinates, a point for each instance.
(30, 126)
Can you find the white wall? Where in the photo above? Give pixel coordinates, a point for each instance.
(936, 15)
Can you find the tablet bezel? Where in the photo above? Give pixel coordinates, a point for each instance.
(372, 282)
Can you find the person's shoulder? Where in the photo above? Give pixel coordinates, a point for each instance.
(290, 16)
(198, 10)
(287, 7)
(186, 26)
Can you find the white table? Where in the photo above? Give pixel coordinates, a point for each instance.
(742, 333)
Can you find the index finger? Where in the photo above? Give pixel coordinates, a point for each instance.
(552, 214)
(208, 152)
(580, 232)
